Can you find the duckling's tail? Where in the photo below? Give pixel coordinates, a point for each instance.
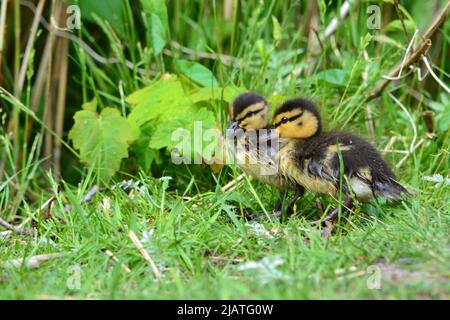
(390, 189)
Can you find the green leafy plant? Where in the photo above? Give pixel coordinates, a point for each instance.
(103, 139)
(157, 111)
(442, 109)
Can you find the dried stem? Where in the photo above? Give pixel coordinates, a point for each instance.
(189, 53)
(232, 184)
(32, 262)
(61, 68)
(145, 254)
(403, 160)
(115, 259)
(428, 118)
(13, 124)
(390, 144)
(41, 78)
(26, 56)
(3, 10)
(400, 16)
(437, 22)
(48, 111)
(394, 72)
(17, 24)
(18, 230)
(417, 54)
(334, 23)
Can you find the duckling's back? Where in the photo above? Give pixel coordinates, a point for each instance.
(369, 175)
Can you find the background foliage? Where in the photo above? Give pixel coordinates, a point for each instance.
(97, 106)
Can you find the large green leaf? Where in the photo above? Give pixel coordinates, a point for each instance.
(165, 107)
(162, 136)
(145, 154)
(396, 26)
(337, 77)
(158, 20)
(199, 120)
(205, 120)
(168, 86)
(216, 93)
(165, 98)
(103, 139)
(110, 11)
(196, 72)
(158, 34)
(157, 7)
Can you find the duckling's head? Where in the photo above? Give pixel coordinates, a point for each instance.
(298, 119)
(250, 112)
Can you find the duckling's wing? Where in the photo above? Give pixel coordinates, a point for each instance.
(390, 189)
(365, 169)
(364, 162)
(318, 168)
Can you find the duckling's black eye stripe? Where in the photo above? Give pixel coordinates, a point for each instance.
(250, 113)
(289, 119)
(295, 117)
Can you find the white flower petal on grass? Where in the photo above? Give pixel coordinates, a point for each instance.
(146, 235)
(265, 270)
(44, 241)
(438, 179)
(259, 230)
(105, 205)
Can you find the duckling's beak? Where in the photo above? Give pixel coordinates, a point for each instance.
(234, 125)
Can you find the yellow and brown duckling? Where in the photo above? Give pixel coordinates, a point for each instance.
(250, 112)
(312, 159)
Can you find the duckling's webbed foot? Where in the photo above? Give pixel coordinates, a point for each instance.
(298, 194)
(277, 212)
(333, 215)
(271, 215)
(245, 212)
(278, 204)
(259, 216)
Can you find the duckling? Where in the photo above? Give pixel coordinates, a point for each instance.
(250, 113)
(312, 158)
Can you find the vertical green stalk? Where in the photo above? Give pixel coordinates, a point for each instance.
(30, 72)
(15, 122)
(82, 62)
(217, 30)
(341, 180)
(235, 25)
(131, 31)
(443, 60)
(165, 184)
(16, 45)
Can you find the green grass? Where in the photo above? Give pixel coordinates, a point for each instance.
(195, 242)
(189, 226)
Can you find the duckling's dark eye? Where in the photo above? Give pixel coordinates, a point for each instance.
(284, 119)
(249, 114)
